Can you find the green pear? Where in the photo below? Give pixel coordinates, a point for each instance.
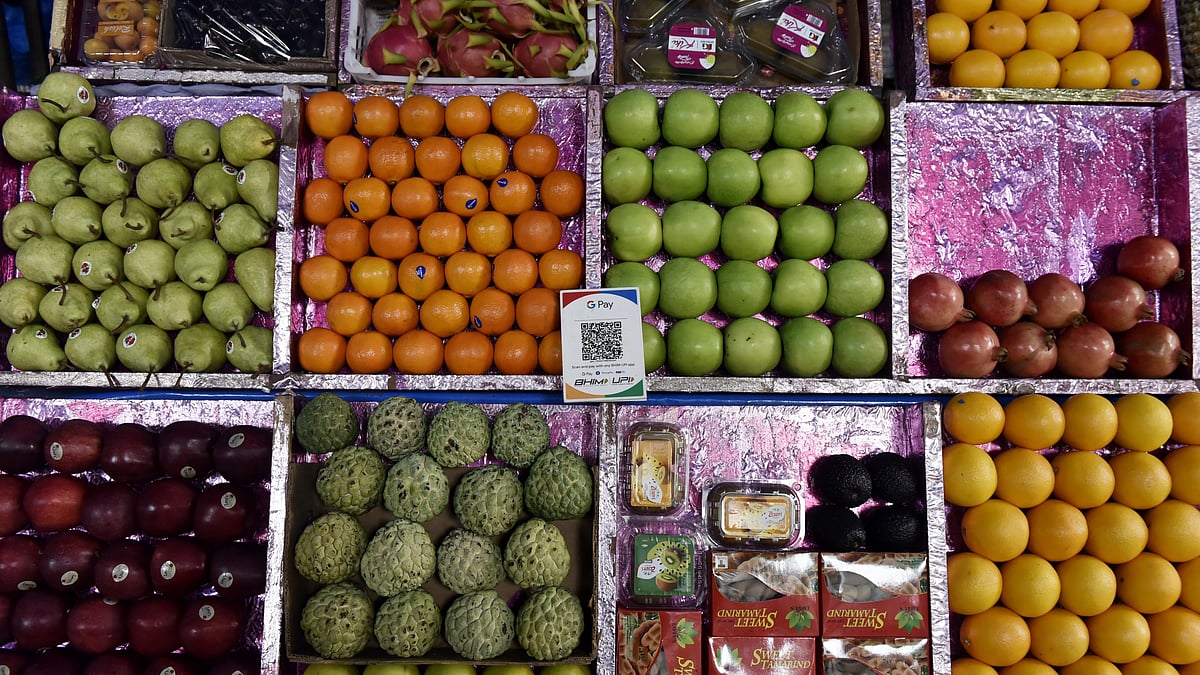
(450, 669)
(52, 179)
(63, 95)
(394, 669)
(239, 228)
(92, 348)
(83, 139)
(144, 348)
(249, 349)
(246, 138)
(258, 185)
(67, 307)
(255, 272)
(99, 264)
(163, 183)
(129, 221)
(19, 298)
(227, 307)
(77, 219)
(29, 135)
(173, 306)
(139, 140)
(119, 307)
(216, 185)
(149, 263)
(35, 348)
(46, 260)
(201, 264)
(25, 220)
(106, 179)
(200, 348)
(190, 221)
(197, 142)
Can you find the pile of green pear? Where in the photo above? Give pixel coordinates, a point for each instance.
(124, 252)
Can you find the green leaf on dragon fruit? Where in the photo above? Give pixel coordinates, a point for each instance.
(727, 657)
(685, 633)
(799, 619)
(909, 620)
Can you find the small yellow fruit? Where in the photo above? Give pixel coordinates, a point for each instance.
(1174, 530)
(973, 582)
(1090, 665)
(1184, 467)
(1185, 416)
(998, 636)
(996, 530)
(970, 666)
(1116, 533)
(1033, 421)
(1148, 664)
(969, 475)
(1091, 420)
(1148, 583)
(1028, 666)
(1143, 421)
(1057, 530)
(1024, 478)
(973, 417)
(1119, 634)
(1088, 585)
(1142, 480)
(1175, 635)
(1082, 479)
(1058, 637)
(1031, 586)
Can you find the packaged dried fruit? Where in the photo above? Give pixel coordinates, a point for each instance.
(898, 656)
(692, 46)
(658, 642)
(764, 594)
(121, 31)
(753, 514)
(874, 595)
(655, 468)
(801, 39)
(762, 655)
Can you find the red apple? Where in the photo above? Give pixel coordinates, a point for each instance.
(54, 502)
(239, 569)
(15, 660)
(12, 514)
(153, 624)
(123, 662)
(165, 507)
(242, 454)
(129, 453)
(123, 570)
(6, 607)
(237, 663)
(19, 556)
(172, 664)
(110, 511)
(39, 619)
(96, 625)
(21, 444)
(73, 446)
(211, 627)
(177, 566)
(68, 561)
(55, 662)
(185, 449)
(224, 512)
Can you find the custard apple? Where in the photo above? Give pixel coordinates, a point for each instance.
(399, 557)
(479, 625)
(396, 427)
(488, 500)
(459, 434)
(536, 555)
(550, 623)
(329, 548)
(351, 480)
(326, 424)
(519, 434)
(408, 624)
(559, 485)
(337, 620)
(468, 562)
(416, 488)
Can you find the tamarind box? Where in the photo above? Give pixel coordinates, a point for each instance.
(890, 656)
(874, 595)
(764, 594)
(659, 643)
(762, 655)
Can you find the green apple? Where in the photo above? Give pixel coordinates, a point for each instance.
(679, 174)
(799, 120)
(633, 274)
(690, 229)
(748, 232)
(743, 288)
(634, 232)
(752, 347)
(861, 230)
(746, 121)
(694, 348)
(654, 350)
(690, 118)
(839, 173)
(805, 232)
(450, 669)
(331, 669)
(687, 288)
(855, 118)
(854, 288)
(807, 347)
(860, 348)
(631, 119)
(508, 670)
(799, 288)
(626, 175)
(732, 177)
(391, 669)
(786, 176)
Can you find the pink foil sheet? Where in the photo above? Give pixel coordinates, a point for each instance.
(1035, 188)
(264, 613)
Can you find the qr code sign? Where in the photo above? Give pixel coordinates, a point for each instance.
(601, 340)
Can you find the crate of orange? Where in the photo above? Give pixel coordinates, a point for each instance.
(433, 234)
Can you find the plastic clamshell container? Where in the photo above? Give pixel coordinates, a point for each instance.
(663, 569)
(120, 32)
(638, 16)
(689, 47)
(753, 515)
(656, 463)
(800, 38)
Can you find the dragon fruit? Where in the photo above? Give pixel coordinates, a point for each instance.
(398, 50)
(515, 18)
(546, 55)
(438, 17)
(468, 53)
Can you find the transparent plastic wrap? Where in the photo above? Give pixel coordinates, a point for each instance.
(693, 45)
(273, 34)
(802, 39)
(753, 514)
(120, 32)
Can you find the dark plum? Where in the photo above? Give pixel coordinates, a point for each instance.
(123, 570)
(211, 627)
(185, 449)
(54, 502)
(15, 660)
(165, 507)
(239, 570)
(178, 566)
(172, 664)
(129, 453)
(110, 511)
(73, 446)
(39, 619)
(237, 663)
(19, 555)
(55, 662)
(6, 607)
(21, 444)
(224, 512)
(13, 518)
(96, 625)
(123, 662)
(242, 454)
(153, 625)
(68, 561)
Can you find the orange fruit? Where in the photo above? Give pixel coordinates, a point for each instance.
(329, 114)
(489, 232)
(392, 237)
(562, 193)
(322, 201)
(1107, 32)
(419, 275)
(537, 311)
(421, 116)
(368, 352)
(376, 116)
(1135, 69)
(345, 158)
(514, 271)
(414, 198)
(445, 313)
(464, 195)
(514, 114)
(321, 350)
(322, 277)
(418, 352)
(967, 10)
(1032, 68)
(492, 311)
(346, 239)
(947, 35)
(1076, 8)
(560, 269)
(1084, 70)
(550, 353)
(484, 156)
(348, 313)
(468, 272)
(442, 233)
(977, 68)
(391, 158)
(515, 353)
(467, 115)
(367, 198)
(1131, 8)
(394, 314)
(535, 154)
(537, 231)
(468, 353)
(373, 276)
(1022, 8)
(1053, 32)
(512, 193)
(438, 159)
(1001, 33)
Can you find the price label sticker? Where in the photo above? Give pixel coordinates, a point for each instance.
(602, 345)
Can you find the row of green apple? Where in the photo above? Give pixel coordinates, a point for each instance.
(442, 669)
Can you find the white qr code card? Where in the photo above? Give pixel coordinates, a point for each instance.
(602, 345)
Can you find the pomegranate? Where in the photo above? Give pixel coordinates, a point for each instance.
(935, 303)
(1031, 349)
(1059, 301)
(1151, 261)
(970, 349)
(1087, 351)
(1116, 303)
(999, 298)
(1153, 350)
(546, 55)
(398, 50)
(468, 53)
